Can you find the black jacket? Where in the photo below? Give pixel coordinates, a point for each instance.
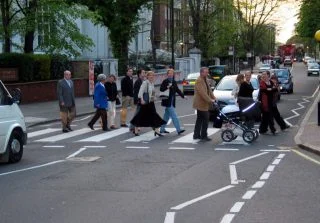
(136, 89)
(172, 95)
(112, 90)
(127, 86)
(245, 90)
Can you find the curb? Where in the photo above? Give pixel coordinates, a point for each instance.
(309, 148)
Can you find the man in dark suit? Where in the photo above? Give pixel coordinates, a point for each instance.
(127, 96)
(65, 91)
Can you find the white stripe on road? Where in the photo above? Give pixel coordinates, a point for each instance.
(270, 168)
(105, 136)
(248, 158)
(147, 136)
(76, 153)
(249, 194)
(275, 150)
(233, 174)
(95, 146)
(227, 218)
(236, 207)
(185, 204)
(280, 156)
(189, 137)
(276, 161)
(265, 176)
(258, 184)
(137, 147)
(65, 135)
(32, 168)
(169, 217)
(225, 149)
(53, 146)
(181, 148)
(42, 132)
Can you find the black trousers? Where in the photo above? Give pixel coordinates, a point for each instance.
(100, 112)
(201, 127)
(266, 121)
(278, 118)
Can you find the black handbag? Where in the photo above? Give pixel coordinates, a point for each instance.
(118, 102)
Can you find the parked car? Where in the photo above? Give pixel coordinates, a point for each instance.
(217, 72)
(287, 62)
(13, 131)
(285, 79)
(189, 82)
(265, 67)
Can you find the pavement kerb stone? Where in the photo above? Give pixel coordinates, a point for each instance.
(297, 138)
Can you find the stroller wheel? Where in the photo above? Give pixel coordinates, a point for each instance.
(227, 135)
(256, 134)
(249, 136)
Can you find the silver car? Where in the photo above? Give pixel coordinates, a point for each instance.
(224, 88)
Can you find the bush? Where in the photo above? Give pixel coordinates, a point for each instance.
(42, 64)
(59, 63)
(24, 63)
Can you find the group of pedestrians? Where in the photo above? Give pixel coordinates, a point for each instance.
(268, 98)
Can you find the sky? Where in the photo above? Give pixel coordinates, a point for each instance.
(285, 19)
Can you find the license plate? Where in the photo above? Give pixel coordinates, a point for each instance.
(314, 72)
(216, 78)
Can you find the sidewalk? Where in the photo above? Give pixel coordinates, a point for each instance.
(308, 136)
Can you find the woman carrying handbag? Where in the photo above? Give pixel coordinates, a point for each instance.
(147, 116)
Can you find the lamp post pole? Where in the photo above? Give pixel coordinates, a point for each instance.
(172, 31)
(317, 37)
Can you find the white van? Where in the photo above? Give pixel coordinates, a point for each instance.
(13, 131)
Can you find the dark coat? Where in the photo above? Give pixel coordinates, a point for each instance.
(112, 90)
(65, 93)
(127, 86)
(245, 90)
(172, 93)
(136, 89)
(267, 96)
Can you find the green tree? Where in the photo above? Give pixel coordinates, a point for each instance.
(120, 17)
(309, 17)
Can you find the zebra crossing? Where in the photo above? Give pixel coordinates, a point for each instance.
(54, 135)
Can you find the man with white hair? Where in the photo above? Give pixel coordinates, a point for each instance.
(100, 103)
(65, 92)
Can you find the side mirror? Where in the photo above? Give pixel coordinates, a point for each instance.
(16, 95)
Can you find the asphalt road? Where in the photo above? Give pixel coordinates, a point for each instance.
(119, 178)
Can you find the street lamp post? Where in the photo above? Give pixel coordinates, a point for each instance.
(317, 37)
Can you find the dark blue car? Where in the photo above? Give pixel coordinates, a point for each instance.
(285, 79)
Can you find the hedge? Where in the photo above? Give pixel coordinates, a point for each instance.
(32, 67)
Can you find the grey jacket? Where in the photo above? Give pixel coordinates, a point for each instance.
(65, 93)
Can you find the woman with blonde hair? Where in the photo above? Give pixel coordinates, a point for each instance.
(239, 81)
(147, 116)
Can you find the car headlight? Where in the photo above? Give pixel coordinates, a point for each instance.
(286, 81)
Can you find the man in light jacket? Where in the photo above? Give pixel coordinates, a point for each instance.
(203, 98)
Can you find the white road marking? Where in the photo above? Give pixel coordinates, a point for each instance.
(105, 136)
(185, 204)
(271, 145)
(137, 147)
(280, 156)
(258, 184)
(32, 168)
(181, 148)
(95, 146)
(189, 124)
(76, 153)
(65, 135)
(225, 149)
(249, 194)
(169, 217)
(270, 168)
(276, 161)
(236, 207)
(78, 120)
(227, 218)
(237, 141)
(183, 116)
(233, 174)
(315, 92)
(275, 150)
(147, 136)
(265, 176)
(56, 146)
(169, 121)
(296, 114)
(306, 157)
(248, 158)
(42, 132)
(189, 137)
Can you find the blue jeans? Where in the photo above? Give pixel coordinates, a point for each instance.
(171, 112)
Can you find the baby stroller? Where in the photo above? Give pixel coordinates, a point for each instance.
(234, 122)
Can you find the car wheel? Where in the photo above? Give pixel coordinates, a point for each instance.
(15, 147)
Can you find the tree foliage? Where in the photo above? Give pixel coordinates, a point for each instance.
(309, 16)
(120, 17)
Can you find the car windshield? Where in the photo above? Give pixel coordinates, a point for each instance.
(193, 76)
(227, 84)
(282, 73)
(216, 70)
(313, 66)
